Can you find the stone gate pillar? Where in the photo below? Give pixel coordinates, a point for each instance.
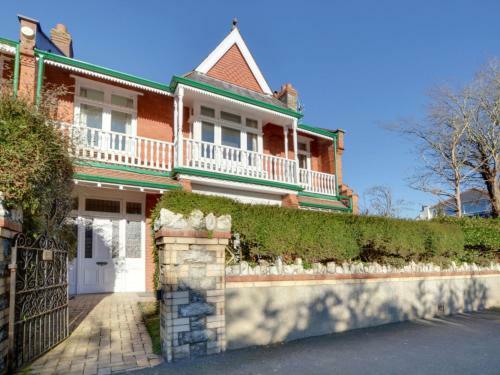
(10, 225)
(191, 259)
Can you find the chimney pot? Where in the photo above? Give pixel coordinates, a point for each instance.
(61, 27)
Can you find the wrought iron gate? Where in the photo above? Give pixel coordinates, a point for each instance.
(38, 297)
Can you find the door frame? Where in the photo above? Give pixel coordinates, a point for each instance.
(82, 193)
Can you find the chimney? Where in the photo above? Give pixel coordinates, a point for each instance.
(62, 39)
(288, 95)
(28, 29)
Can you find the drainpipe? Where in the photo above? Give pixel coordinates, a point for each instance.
(16, 70)
(39, 80)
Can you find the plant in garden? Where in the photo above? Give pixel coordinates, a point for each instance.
(36, 170)
(270, 231)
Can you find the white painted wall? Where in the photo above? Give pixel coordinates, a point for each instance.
(238, 195)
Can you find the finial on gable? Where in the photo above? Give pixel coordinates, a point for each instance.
(235, 22)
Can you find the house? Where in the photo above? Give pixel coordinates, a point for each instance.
(475, 202)
(218, 130)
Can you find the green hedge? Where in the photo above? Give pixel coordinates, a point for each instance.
(269, 231)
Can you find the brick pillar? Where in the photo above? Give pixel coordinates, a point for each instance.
(9, 226)
(27, 65)
(290, 200)
(192, 279)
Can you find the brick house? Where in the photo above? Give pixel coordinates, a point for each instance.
(217, 130)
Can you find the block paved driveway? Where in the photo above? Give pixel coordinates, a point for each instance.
(463, 344)
(108, 336)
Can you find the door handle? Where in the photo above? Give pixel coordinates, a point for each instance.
(101, 263)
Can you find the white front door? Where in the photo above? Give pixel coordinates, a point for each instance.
(97, 252)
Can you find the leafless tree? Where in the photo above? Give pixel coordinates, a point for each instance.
(483, 134)
(379, 201)
(441, 144)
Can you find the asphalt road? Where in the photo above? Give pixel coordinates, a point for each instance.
(462, 344)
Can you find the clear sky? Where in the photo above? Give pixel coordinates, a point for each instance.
(356, 64)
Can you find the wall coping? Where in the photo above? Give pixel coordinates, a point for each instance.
(9, 224)
(163, 232)
(398, 275)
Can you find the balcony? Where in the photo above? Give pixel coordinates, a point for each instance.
(229, 160)
(318, 182)
(118, 148)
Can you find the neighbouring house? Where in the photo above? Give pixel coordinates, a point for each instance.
(218, 130)
(475, 202)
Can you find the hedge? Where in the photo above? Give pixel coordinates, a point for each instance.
(270, 231)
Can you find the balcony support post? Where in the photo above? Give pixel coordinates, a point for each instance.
(285, 133)
(295, 151)
(179, 115)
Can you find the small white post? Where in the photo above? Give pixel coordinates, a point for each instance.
(295, 150)
(180, 116)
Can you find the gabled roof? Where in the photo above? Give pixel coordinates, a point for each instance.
(234, 49)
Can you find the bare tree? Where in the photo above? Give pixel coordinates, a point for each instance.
(440, 143)
(483, 134)
(379, 201)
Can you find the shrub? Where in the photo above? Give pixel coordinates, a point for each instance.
(36, 171)
(270, 231)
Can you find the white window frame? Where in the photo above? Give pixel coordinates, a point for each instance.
(218, 122)
(106, 105)
(307, 153)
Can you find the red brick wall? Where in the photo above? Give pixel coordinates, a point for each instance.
(155, 115)
(274, 140)
(233, 68)
(151, 200)
(54, 76)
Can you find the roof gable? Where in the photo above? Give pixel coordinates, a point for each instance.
(231, 61)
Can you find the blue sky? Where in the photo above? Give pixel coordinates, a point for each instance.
(355, 64)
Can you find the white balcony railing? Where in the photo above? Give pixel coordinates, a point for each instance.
(234, 161)
(317, 182)
(118, 148)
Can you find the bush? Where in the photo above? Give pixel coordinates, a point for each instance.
(36, 171)
(270, 231)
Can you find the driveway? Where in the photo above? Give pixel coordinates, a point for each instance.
(462, 344)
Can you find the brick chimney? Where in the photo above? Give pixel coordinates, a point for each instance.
(62, 39)
(288, 95)
(28, 29)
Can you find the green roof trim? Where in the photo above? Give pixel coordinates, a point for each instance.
(229, 94)
(9, 42)
(120, 181)
(313, 129)
(123, 168)
(324, 206)
(99, 69)
(229, 177)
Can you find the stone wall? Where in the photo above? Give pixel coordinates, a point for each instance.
(267, 309)
(9, 226)
(191, 258)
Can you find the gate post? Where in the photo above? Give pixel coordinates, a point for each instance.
(10, 225)
(192, 280)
